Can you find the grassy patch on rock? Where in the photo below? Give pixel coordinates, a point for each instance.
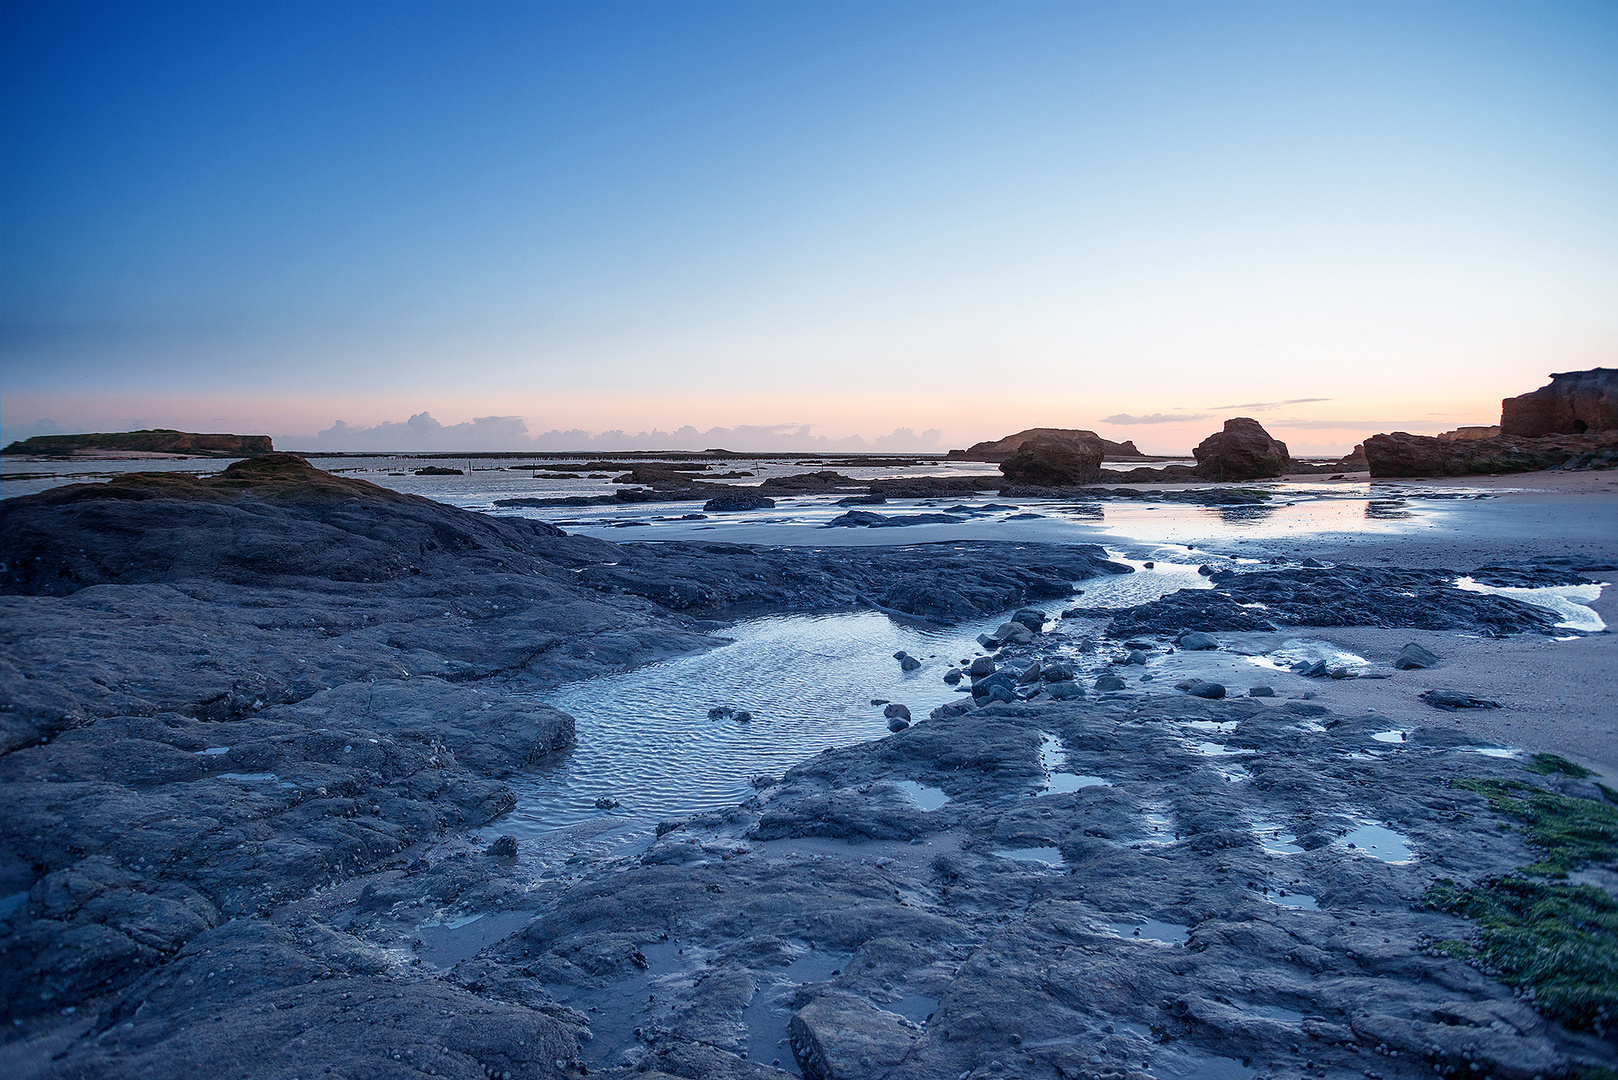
(1556, 942)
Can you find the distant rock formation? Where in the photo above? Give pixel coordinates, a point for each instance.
(152, 441)
(1242, 451)
(1001, 449)
(1476, 431)
(1403, 454)
(1574, 403)
(1052, 460)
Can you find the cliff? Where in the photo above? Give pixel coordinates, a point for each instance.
(1574, 403)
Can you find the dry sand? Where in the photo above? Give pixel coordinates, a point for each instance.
(1557, 696)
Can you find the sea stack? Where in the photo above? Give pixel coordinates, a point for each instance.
(1242, 451)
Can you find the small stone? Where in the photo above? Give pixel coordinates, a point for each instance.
(606, 802)
(1261, 691)
(1451, 700)
(898, 723)
(1413, 656)
(1135, 657)
(897, 711)
(1065, 690)
(981, 667)
(503, 848)
(743, 716)
(1203, 688)
(1196, 640)
(1110, 682)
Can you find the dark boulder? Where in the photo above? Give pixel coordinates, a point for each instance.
(1054, 461)
(1202, 688)
(1413, 656)
(1242, 451)
(739, 502)
(1451, 700)
(1574, 402)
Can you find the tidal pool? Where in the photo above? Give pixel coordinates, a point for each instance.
(647, 747)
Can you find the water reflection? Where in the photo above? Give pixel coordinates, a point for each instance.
(1242, 515)
(1386, 510)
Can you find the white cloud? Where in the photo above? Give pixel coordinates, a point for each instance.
(510, 433)
(1156, 418)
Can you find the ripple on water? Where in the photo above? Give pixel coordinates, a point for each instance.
(645, 739)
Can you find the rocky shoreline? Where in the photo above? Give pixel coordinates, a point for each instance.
(247, 722)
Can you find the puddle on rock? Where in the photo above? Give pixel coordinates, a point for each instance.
(1275, 839)
(1570, 603)
(1050, 856)
(445, 944)
(1052, 757)
(1217, 727)
(1166, 933)
(770, 1011)
(928, 798)
(1297, 901)
(1491, 751)
(212, 750)
(914, 1007)
(1275, 1012)
(1378, 842)
(1061, 783)
(1389, 736)
(1213, 749)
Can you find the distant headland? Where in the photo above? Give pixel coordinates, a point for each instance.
(148, 441)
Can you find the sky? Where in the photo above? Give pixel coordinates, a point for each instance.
(787, 226)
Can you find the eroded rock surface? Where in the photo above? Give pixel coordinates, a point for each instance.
(1190, 911)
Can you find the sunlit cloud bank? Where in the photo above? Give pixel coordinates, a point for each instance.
(496, 433)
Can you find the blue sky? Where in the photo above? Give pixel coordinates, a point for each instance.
(859, 217)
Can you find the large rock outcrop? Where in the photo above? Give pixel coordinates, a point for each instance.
(1242, 451)
(1404, 454)
(1574, 403)
(1002, 449)
(154, 441)
(1052, 460)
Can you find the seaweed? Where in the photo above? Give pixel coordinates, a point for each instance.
(1558, 943)
(1554, 765)
(1571, 832)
